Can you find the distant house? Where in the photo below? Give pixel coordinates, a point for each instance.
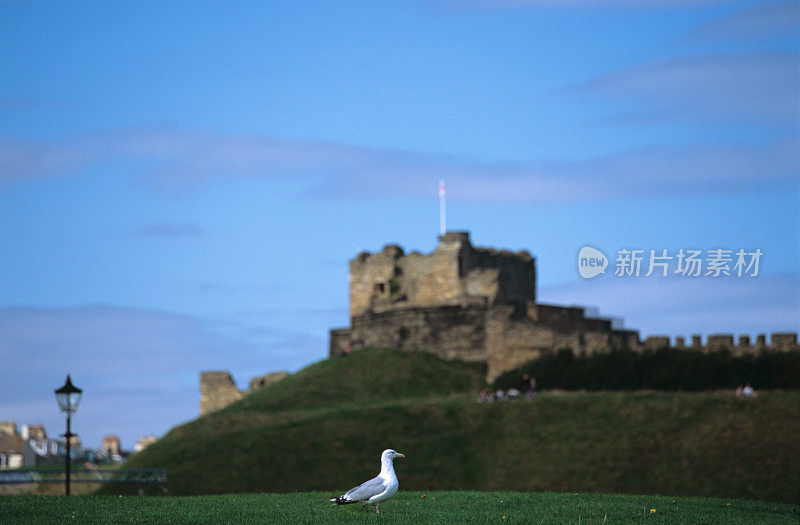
(32, 448)
(111, 445)
(40, 452)
(144, 442)
(12, 448)
(36, 432)
(8, 427)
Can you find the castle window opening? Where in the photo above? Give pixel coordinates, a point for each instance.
(462, 266)
(380, 288)
(403, 333)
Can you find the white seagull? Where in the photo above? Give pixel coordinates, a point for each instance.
(378, 489)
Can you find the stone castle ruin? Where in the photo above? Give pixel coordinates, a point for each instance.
(472, 304)
(479, 304)
(218, 389)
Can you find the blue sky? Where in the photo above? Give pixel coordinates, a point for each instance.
(182, 185)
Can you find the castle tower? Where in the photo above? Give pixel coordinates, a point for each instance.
(455, 273)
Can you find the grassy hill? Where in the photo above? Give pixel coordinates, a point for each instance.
(324, 427)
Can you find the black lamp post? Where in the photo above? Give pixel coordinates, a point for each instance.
(68, 397)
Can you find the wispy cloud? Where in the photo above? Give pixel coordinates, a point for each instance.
(171, 157)
(179, 158)
(754, 88)
(647, 172)
(760, 21)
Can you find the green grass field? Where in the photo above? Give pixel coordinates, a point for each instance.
(405, 507)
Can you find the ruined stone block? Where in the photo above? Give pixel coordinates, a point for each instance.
(217, 390)
(656, 342)
(784, 341)
(268, 379)
(719, 342)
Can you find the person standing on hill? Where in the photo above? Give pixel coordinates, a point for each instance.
(529, 386)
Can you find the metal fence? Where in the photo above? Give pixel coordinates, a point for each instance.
(120, 475)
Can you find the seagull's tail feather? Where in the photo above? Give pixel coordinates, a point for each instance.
(342, 500)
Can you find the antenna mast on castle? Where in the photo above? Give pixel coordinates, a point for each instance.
(442, 213)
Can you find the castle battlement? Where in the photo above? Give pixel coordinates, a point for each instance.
(779, 342)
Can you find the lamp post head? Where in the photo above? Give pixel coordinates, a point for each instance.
(68, 397)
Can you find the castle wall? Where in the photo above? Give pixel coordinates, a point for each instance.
(370, 276)
(502, 335)
(516, 334)
(511, 343)
(340, 342)
(450, 332)
(565, 318)
(625, 339)
(431, 279)
(500, 275)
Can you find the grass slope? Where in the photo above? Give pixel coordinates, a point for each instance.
(323, 428)
(406, 507)
(366, 376)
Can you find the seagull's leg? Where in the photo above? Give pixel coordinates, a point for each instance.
(376, 509)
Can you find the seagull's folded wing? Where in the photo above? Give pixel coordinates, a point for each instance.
(366, 490)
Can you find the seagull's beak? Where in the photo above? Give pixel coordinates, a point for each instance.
(399, 455)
